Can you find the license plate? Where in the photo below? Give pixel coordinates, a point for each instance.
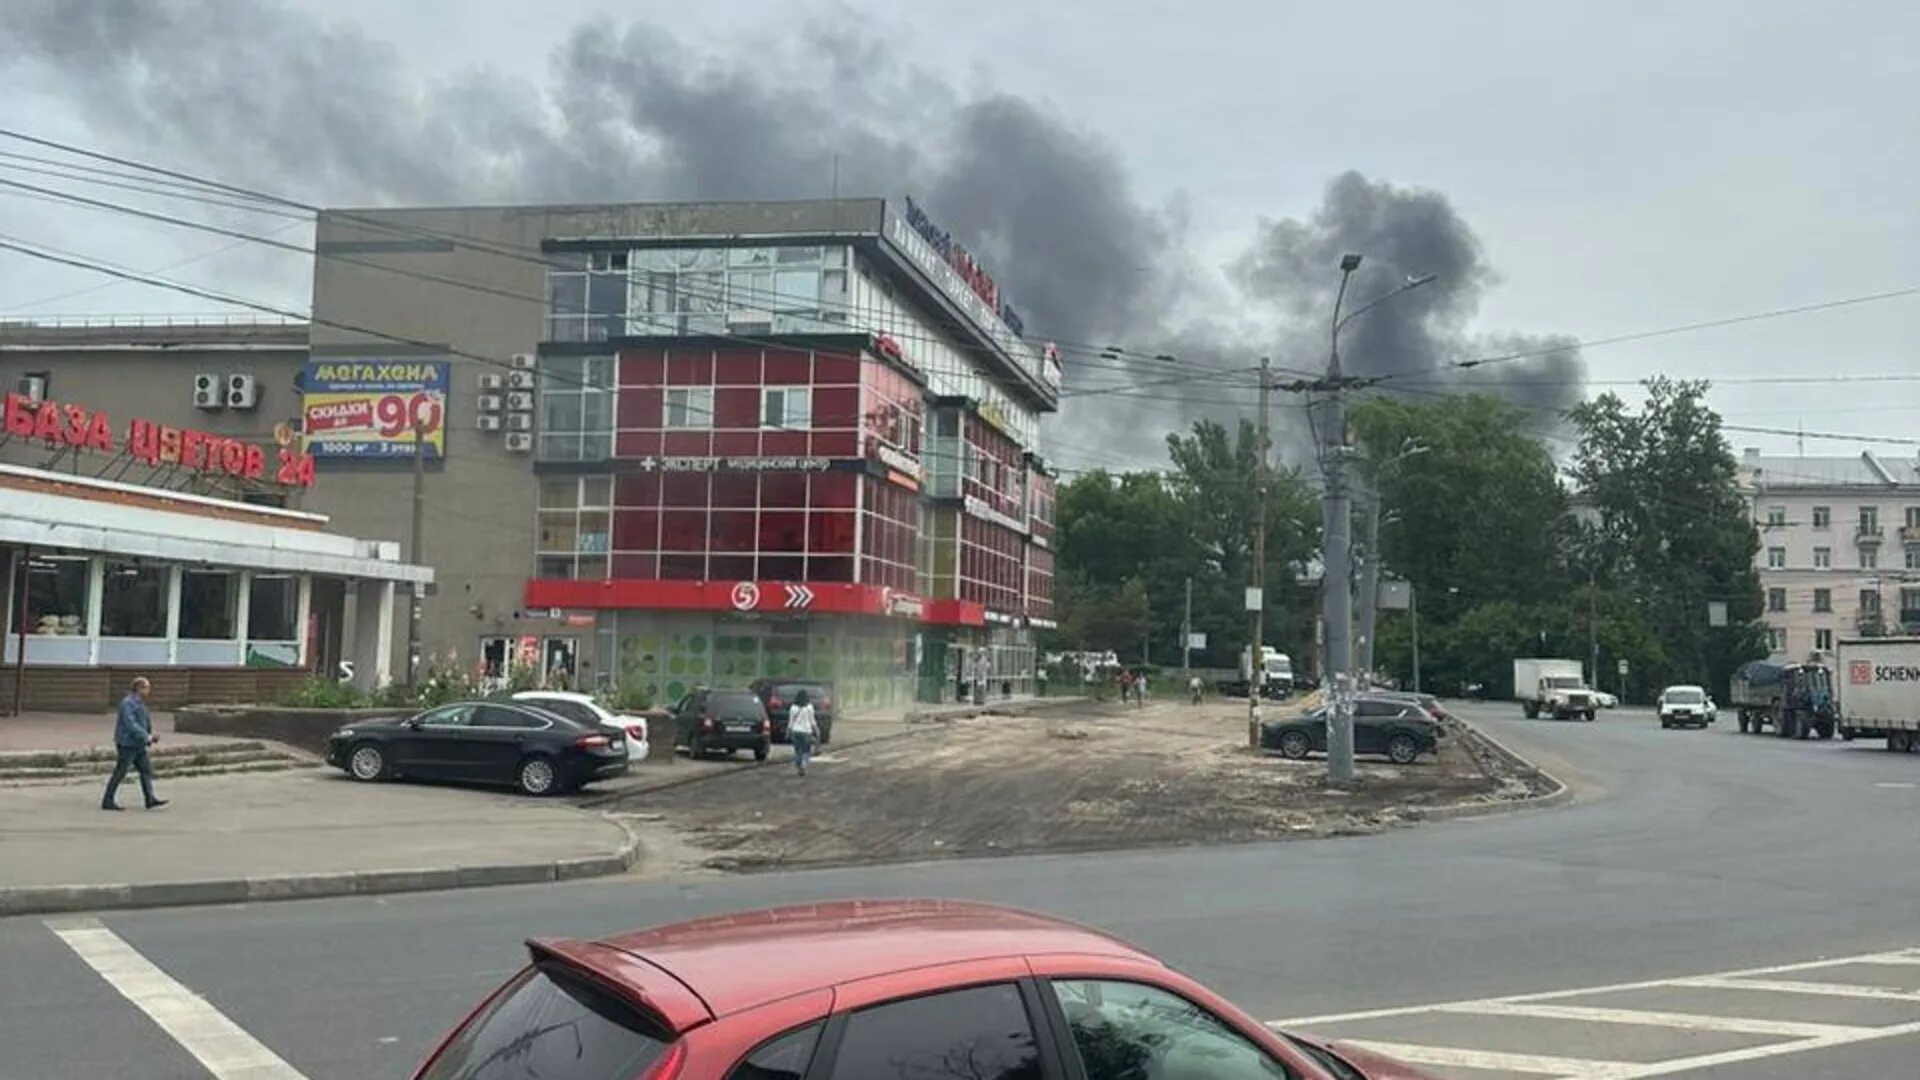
(740, 726)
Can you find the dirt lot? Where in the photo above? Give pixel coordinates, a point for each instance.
(1101, 777)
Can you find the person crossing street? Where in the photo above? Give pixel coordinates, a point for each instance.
(802, 729)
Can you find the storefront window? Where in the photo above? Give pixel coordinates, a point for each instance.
(273, 608)
(133, 600)
(575, 527)
(57, 595)
(209, 600)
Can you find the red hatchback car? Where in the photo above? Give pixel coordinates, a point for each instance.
(872, 990)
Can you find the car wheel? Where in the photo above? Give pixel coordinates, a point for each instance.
(760, 752)
(1743, 723)
(1589, 716)
(1294, 744)
(1665, 724)
(367, 762)
(537, 776)
(1532, 711)
(1402, 749)
(1824, 729)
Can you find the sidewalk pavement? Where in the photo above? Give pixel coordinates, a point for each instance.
(285, 835)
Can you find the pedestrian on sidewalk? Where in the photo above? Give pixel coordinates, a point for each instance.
(1140, 688)
(1126, 685)
(132, 735)
(1194, 689)
(802, 729)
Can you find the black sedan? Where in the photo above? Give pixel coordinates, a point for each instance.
(486, 742)
(1401, 730)
(708, 720)
(778, 697)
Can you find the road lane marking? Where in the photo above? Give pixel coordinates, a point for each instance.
(1753, 1053)
(1551, 995)
(1743, 1025)
(1788, 986)
(1418, 1054)
(223, 1047)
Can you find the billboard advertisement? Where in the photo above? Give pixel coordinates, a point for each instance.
(370, 408)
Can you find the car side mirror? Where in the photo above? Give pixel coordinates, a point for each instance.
(413, 724)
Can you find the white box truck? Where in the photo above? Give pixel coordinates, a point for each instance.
(1557, 688)
(1878, 682)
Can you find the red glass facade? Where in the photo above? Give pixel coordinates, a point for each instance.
(696, 496)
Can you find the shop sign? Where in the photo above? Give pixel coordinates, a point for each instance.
(895, 459)
(977, 507)
(931, 249)
(1000, 619)
(371, 408)
(1048, 624)
(905, 605)
(733, 464)
(58, 424)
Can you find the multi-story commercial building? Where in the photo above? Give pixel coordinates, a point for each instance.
(659, 444)
(1839, 548)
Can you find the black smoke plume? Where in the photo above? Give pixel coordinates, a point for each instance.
(256, 93)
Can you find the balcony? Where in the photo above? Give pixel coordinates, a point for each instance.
(1910, 534)
(1870, 623)
(1868, 535)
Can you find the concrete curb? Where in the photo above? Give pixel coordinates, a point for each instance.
(1559, 796)
(53, 899)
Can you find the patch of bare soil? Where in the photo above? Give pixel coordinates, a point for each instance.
(1166, 774)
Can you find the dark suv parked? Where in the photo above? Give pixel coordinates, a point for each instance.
(708, 721)
(778, 696)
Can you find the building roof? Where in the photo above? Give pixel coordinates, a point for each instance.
(183, 333)
(1866, 470)
(725, 959)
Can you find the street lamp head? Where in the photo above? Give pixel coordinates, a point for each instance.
(1349, 262)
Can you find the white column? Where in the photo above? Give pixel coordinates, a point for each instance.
(383, 635)
(241, 616)
(176, 577)
(303, 609)
(96, 595)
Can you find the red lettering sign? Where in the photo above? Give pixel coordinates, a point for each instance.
(60, 424)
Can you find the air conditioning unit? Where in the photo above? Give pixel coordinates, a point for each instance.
(520, 380)
(520, 401)
(523, 361)
(490, 402)
(488, 423)
(208, 391)
(519, 443)
(491, 382)
(33, 387)
(519, 422)
(243, 392)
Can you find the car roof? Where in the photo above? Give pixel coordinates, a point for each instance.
(554, 695)
(1686, 686)
(735, 962)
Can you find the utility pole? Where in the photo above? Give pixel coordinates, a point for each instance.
(1369, 580)
(414, 538)
(1186, 634)
(1593, 627)
(1257, 573)
(1413, 606)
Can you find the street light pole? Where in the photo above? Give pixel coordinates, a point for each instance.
(1257, 573)
(1413, 609)
(1337, 539)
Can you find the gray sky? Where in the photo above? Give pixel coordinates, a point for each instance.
(1624, 167)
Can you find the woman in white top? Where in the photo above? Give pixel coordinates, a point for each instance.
(802, 729)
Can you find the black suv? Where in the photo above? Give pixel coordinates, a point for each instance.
(724, 721)
(777, 695)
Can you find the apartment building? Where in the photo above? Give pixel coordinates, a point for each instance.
(1839, 548)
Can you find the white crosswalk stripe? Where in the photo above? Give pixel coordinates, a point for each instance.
(1653, 1027)
(221, 1046)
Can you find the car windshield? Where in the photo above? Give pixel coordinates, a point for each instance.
(1564, 682)
(814, 691)
(1685, 695)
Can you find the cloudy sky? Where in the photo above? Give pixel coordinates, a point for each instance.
(1172, 177)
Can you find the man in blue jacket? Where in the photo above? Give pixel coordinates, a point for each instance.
(132, 734)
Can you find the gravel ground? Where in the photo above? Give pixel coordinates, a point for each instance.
(1102, 776)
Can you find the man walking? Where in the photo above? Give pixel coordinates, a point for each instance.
(132, 734)
(802, 729)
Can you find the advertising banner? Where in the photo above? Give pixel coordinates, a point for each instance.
(369, 408)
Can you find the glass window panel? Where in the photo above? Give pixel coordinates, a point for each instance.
(733, 530)
(636, 530)
(835, 489)
(607, 294)
(831, 568)
(683, 530)
(832, 533)
(735, 489)
(272, 608)
(566, 294)
(981, 1032)
(683, 567)
(558, 494)
(730, 567)
(57, 595)
(783, 567)
(209, 602)
(556, 566)
(799, 291)
(566, 328)
(683, 489)
(783, 530)
(592, 566)
(133, 600)
(559, 531)
(567, 260)
(596, 491)
(594, 528)
(798, 253)
(744, 256)
(783, 490)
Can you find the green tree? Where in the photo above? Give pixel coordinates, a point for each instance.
(1665, 528)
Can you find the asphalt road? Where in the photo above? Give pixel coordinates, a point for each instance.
(1689, 854)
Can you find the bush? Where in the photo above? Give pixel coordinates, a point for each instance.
(316, 693)
(627, 699)
(395, 696)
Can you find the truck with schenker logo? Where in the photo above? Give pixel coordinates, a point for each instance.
(1878, 680)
